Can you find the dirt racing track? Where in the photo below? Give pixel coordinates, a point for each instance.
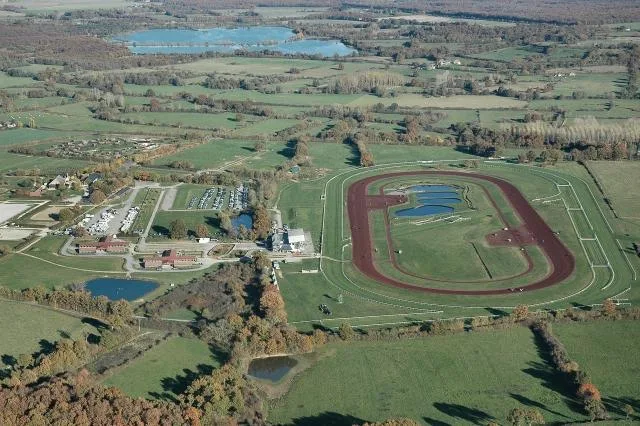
(360, 203)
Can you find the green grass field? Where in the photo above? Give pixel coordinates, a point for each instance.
(584, 286)
(192, 219)
(460, 379)
(608, 352)
(40, 265)
(614, 178)
(213, 154)
(28, 329)
(165, 371)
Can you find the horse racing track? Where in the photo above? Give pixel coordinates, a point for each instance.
(533, 230)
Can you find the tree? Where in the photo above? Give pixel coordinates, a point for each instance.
(178, 230)
(216, 395)
(261, 222)
(531, 156)
(66, 215)
(202, 231)
(346, 332)
(260, 146)
(97, 196)
(628, 411)
(609, 307)
(519, 313)
(525, 416)
(366, 159)
(272, 305)
(225, 222)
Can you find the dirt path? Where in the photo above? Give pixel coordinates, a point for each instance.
(169, 197)
(359, 203)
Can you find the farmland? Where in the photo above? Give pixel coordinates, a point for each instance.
(453, 379)
(466, 172)
(34, 328)
(164, 371)
(606, 351)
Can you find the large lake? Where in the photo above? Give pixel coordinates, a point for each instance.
(117, 288)
(228, 40)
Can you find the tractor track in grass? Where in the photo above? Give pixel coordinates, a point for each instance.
(359, 203)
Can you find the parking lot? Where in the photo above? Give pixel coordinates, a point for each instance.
(221, 198)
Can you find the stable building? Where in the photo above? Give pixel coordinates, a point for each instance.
(295, 236)
(169, 258)
(108, 244)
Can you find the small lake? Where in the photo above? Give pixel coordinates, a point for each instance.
(243, 219)
(272, 369)
(435, 199)
(228, 40)
(426, 210)
(117, 288)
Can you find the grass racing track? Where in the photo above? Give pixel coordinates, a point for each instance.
(359, 204)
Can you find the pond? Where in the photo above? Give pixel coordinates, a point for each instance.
(117, 288)
(243, 219)
(426, 210)
(434, 199)
(272, 369)
(228, 40)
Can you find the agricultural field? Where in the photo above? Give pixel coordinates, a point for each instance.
(464, 378)
(213, 154)
(164, 371)
(614, 179)
(33, 328)
(606, 350)
(459, 160)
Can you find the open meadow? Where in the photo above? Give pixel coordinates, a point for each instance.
(164, 371)
(465, 378)
(29, 329)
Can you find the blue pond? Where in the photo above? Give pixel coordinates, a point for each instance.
(434, 199)
(243, 219)
(228, 40)
(116, 288)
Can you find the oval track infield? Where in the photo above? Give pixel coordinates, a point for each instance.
(359, 203)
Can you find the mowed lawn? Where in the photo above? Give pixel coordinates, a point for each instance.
(27, 328)
(614, 176)
(608, 351)
(460, 379)
(213, 154)
(165, 371)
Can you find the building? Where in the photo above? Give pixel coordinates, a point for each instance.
(60, 182)
(295, 236)
(108, 244)
(169, 258)
(288, 240)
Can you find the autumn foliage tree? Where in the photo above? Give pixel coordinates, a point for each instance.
(97, 196)
(202, 230)
(218, 395)
(520, 313)
(609, 308)
(261, 222)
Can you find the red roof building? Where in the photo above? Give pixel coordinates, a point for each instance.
(169, 258)
(108, 244)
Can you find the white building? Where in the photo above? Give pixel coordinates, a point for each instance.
(295, 236)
